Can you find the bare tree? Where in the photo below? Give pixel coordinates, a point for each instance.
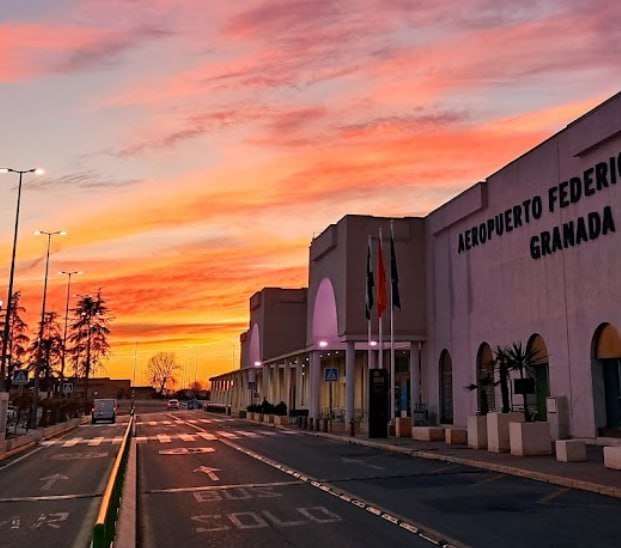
(161, 368)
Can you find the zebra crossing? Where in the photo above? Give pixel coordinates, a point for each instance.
(170, 438)
(183, 421)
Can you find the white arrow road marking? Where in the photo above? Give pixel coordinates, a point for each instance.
(347, 460)
(211, 472)
(51, 480)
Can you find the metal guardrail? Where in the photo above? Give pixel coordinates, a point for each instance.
(105, 526)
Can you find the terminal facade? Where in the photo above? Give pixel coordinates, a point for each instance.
(531, 255)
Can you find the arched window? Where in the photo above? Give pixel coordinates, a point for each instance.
(606, 379)
(541, 375)
(486, 398)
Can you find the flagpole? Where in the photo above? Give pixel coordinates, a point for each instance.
(392, 329)
(369, 315)
(381, 330)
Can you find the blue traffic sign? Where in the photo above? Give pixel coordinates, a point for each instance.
(20, 376)
(331, 374)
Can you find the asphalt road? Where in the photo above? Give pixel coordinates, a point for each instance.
(50, 496)
(198, 489)
(206, 480)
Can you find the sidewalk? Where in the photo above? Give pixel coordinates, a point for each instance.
(588, 476)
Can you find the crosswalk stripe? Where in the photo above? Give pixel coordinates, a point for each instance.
(269, 433)
(141, 439)
(205, 421)
(166, 422)
(229, 435)
(192, 421)
(72, 442)
(95, 441)
(152, 423)
(246, 433)
(187, 437)
(163, 438)
(207, 436)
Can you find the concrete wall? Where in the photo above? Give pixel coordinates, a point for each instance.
(496, 292)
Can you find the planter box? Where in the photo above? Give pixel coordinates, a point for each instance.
(612, 457)
(258, 417)
(281, 419)
(242, 414)
(498, 430)
(530, 438)
(403, 427)
(338, 427)
(428, 433)
(456, 436)
(268, 418)
(477, 432)
(570, 451)
(250, 415)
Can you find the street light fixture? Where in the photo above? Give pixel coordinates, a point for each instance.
(40, 345)
(68, 274)
(9, 304)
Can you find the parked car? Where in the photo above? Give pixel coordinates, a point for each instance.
(104, 410)
(172, 404)
(194, 404)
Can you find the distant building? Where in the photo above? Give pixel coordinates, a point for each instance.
(102, 387)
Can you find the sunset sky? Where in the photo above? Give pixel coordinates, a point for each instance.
(192, 148)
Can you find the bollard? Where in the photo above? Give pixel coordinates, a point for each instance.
(352, 428)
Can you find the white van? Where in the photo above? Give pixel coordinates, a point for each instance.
(103, 410)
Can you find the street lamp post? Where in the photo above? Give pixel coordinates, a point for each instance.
(62, 366)
(5, 336)
(41, 327)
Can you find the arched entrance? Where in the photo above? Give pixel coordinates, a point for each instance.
(541, 374)
(446, 388)
(606, 374)
(486, 396)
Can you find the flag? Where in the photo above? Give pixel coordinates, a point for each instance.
(381, 280)
(370, 285)
(394, 274)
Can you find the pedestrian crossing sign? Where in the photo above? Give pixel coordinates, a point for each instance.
(331, 374)
(20, 376)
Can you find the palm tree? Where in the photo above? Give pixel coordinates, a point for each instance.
(89, 335)
(522, 359)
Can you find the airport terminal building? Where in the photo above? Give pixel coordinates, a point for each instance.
(529, 255)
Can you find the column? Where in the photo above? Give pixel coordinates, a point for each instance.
(266, 384)
(414, 378)
(350, 381)
(287, 398)
(315, 385)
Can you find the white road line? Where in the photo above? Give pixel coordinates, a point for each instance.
(166, 422)
(246, 433)
(95, 441)
(205, 421)
(192, 421)
(187, 437)
(207, 436)
(72, 442)
(152, 423)
(141, 439)
(116, 439)
(163, 438)
(229, 435)
(48, 443)
(290, 432)
(267, 433)
(225, 487)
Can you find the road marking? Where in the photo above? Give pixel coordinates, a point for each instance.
(552, 495)
(246, 433)
(223, 487)
(187, 451)
(211, 472)
(78, 456)
(187, 437)
(205, 421)
(116, 439)
(493, 477)
(166, 422)
(42, 498)
(229, 435)
(192, 421)
(348, 460)
(95, 441)
(207, 436)
(152, 423)
(268, 433)
(141, 439)
(51, 480)
(163, 438)
(72, 442)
